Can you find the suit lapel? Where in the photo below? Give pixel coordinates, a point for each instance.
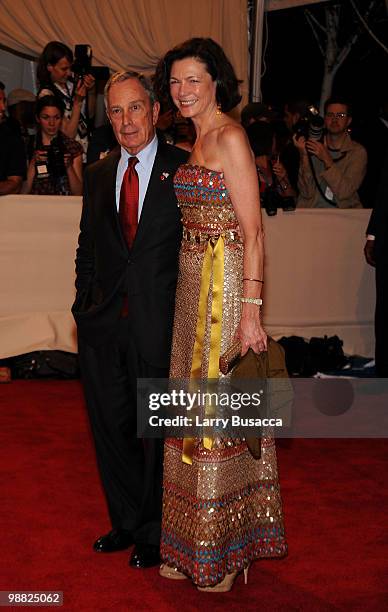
(109, 193)
(153, 195)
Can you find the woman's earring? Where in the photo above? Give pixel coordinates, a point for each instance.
(219, 109)
(178, 114)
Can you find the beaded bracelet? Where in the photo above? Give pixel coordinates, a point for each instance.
(246, 300)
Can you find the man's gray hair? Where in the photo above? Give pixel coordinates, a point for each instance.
(120, 77)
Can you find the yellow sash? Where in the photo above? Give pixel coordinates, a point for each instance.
(213, 262)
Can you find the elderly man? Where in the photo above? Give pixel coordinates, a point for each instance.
(13, 164)
(126, 271)
(331, 170)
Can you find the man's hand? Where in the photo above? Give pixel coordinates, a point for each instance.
(300, 143)
(11, 185)
(319, 150)
(369, 252)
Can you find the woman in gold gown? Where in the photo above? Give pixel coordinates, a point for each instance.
(221, 507)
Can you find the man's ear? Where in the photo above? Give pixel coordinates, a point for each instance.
(349, 121)
(155, 112)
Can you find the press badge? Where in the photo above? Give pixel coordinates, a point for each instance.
(42, 170)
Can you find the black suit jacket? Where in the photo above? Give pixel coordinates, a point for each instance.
(378, 223)
(106, 269)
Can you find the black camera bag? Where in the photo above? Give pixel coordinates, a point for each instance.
(45, 364)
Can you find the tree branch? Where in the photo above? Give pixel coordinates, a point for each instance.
(332, 33)
(365, 24)
(310, 20)
(315, 20)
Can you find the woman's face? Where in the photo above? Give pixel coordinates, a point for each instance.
(192, 89)
(60, 71)
(50, 120)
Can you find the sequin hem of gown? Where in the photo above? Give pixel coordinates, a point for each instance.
(225, 509)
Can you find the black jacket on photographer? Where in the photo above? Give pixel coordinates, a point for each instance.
(66, 93)
(51, 178)
(274, 194)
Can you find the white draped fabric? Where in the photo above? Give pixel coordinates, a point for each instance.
(316, 279)
(126, 33)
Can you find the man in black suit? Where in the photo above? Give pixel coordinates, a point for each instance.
(376, 253)
(126, 271)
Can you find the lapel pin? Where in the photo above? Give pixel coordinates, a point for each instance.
(164, 175)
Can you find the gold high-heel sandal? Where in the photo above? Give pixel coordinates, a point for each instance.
(226, 584)
(171, 572)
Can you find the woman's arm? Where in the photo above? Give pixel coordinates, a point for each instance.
(241, 180)
(284, 182)
(74, 173)
(70, 125)
(27, 185)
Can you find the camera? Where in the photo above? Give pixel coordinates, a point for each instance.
(310, 126)
(271, 200)
(83, 64)
(54, 165)
(55, 158)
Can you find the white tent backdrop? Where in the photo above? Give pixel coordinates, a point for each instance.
(126, 33)
(129, 33)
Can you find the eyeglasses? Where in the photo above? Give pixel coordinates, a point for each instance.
(336, 115)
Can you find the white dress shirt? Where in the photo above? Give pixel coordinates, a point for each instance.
(146, 159)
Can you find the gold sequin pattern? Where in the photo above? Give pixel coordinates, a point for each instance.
(225, 509)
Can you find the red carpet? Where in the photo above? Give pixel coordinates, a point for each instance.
(52, 509)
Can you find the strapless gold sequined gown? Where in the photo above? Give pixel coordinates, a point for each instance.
(224, 510)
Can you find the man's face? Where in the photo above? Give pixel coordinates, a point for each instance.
(337, 119)
(60, 71)
(132, 115)
(2, 105)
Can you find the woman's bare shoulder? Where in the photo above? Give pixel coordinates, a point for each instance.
(232, 134)
(225, 141)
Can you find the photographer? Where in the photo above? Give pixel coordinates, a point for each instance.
(12, 155)
(55, 78)
(56, 165)
(332, 169)
(275, 189)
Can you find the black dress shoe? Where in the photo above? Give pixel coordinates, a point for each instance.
(117, 539)
(145, 555)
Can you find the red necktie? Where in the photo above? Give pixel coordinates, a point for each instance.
(129, 202)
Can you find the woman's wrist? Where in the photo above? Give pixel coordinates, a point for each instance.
(252, 300)
(250, 311)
